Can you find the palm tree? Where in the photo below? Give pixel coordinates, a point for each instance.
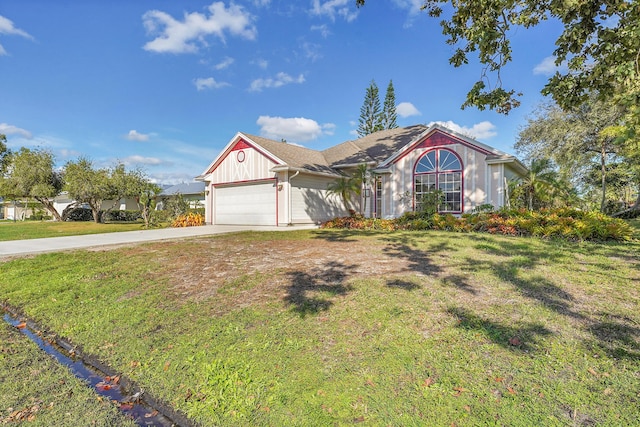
(541, 181)
(345, 187)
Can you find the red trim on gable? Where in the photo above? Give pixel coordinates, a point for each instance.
(439, 139)
(241, 144)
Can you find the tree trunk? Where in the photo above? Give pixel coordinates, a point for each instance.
(49, 207)
(95, 210)
(629, 213)
(603, 169)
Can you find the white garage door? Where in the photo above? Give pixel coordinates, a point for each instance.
(247, 204)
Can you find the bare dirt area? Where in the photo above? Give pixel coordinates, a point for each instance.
(279, 268)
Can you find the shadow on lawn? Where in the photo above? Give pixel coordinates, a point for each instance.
(310, 291)
(521, 336)
(618, 336)
(513, 261)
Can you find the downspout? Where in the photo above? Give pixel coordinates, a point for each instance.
(290, 193)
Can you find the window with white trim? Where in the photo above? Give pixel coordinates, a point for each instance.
(439, 169)
(378, 181)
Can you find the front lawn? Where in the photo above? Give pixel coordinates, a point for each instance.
(325, 327)
(20, 230)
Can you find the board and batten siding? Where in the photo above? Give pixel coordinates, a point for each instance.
(311, 202)
(255, 166)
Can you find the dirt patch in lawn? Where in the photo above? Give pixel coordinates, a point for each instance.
(202, 268)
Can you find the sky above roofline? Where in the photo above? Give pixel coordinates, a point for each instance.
(165, 85)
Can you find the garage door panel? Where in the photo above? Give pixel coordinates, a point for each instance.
(246, 204)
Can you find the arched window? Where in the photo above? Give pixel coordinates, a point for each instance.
(441, 170)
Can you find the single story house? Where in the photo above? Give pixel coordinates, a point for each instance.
(191, 192)
(25, 209)
(259, 181)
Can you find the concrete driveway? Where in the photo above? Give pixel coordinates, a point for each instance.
(54, 244)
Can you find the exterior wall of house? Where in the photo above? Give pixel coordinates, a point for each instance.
(481, 183)
(311, 202)
(237, 167)
(120, 205)
(242, 165)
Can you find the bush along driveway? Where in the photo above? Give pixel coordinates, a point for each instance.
(336, 327)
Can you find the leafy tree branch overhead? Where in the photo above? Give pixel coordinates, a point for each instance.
(600, 45)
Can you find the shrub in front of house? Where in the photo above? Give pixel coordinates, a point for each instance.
(564, 223)
(121, 216)
(188, 220)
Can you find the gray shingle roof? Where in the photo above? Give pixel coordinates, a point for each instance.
(372, 148)
(375, 147)
(294, 155)
(185, 188)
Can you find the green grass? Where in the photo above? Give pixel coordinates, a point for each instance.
(21, 230)
(35, 391)
(335, 328)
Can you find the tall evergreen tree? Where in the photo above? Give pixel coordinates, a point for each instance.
(370, 112)
(388, 117)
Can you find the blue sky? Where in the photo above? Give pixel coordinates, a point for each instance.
(164, 85)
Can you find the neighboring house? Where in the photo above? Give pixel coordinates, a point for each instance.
(192, 193)
(23, 209)
(18, 209)
(259, 181)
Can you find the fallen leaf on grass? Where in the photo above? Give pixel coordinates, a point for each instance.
(151, 414)
(511, 390)
(459, 391)
(498, 379)
(371, 383)
(21, 325)
(360, 419)
(429, 382)
(166, 365)
(102, 386)
(592, 372)
(515, 341)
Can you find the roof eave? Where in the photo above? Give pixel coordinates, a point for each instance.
(285, 168)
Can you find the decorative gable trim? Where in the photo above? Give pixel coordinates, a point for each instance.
(435, 136)
(237, 143)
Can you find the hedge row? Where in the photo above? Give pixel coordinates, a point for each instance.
(565, 223)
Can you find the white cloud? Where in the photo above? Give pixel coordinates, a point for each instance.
(333, 8)
(186, 36)
(413, 6)
(279, 80)
(293, 128)
(7, 27)
(140, 160)
(548, 67)
(7, 129)
(322, 29)
(407, 109)
(482, 130)
(208, 83)
(311, 51)
(134, 135)
(66, 153)
(225, 63)
(262, 63)
(262, 3)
